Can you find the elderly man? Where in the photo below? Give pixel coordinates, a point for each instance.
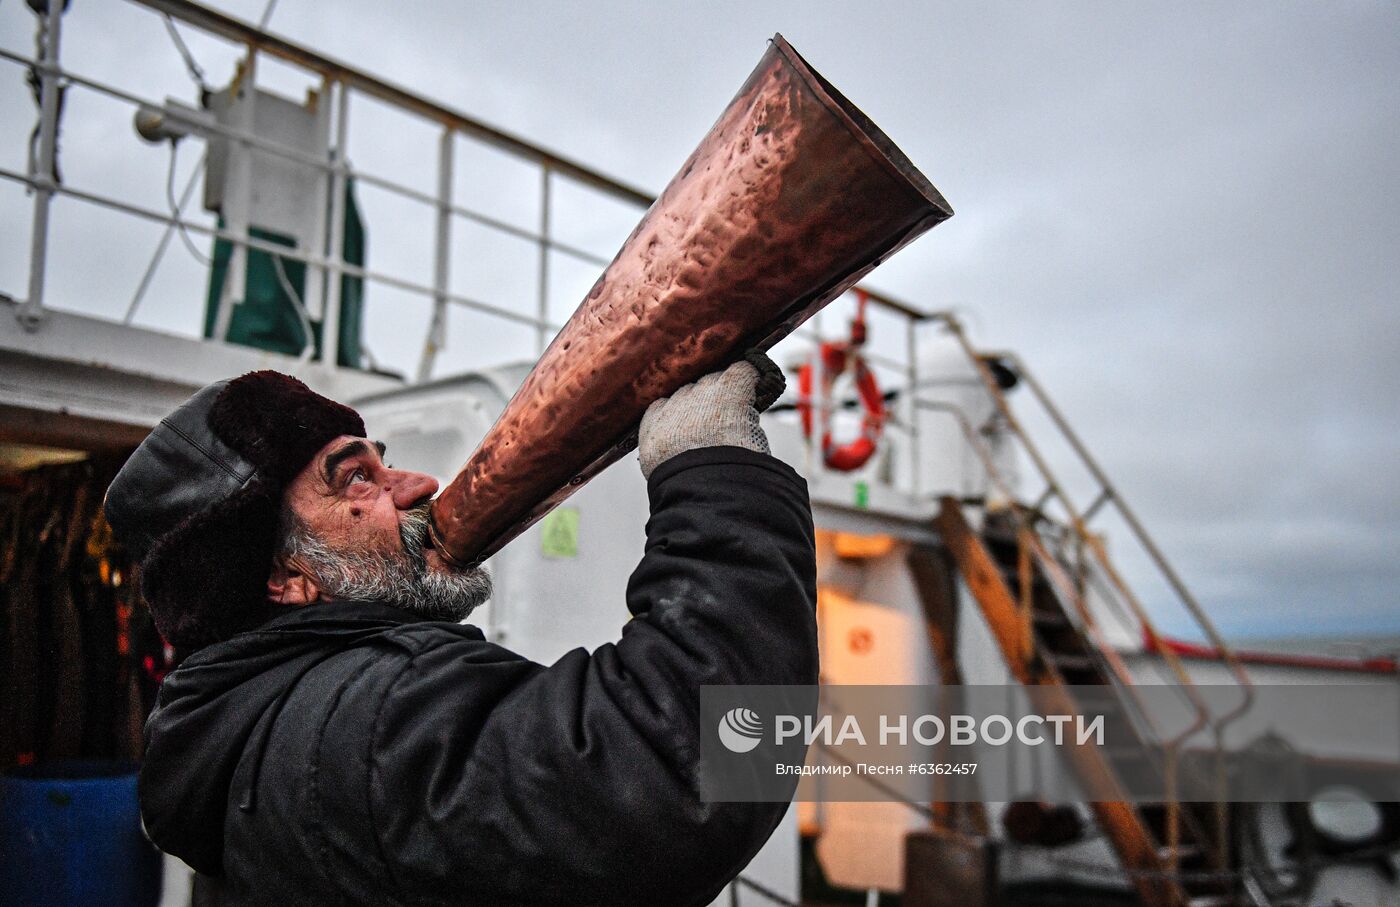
(339, 736)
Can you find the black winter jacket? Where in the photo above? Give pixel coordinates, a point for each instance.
(349, 753)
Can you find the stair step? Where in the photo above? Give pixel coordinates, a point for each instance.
(1050, 620)
(1213, 900)
(1012, 574)
(1060, 647)
(1184, 853)
(1068, 662)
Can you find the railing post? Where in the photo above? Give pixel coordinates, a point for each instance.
(542, 309)
(442, 255)
(1024, 579)
(335, 251)
(911, 342)
(234, 287)
(32, 312)
(820, 414)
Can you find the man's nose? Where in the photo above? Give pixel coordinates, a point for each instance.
(410, 488)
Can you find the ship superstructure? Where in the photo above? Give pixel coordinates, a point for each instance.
(954, 547)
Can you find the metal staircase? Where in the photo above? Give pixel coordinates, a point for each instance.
(1033, 577)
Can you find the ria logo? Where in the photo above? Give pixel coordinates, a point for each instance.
(740, 730)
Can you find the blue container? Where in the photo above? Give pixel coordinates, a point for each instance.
(70, 834)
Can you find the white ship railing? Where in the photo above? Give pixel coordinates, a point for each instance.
(339, 82)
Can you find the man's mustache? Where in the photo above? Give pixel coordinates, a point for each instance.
(413, 532)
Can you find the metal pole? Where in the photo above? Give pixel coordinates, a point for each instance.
(234, 287)
(542, 334)
(442, 254)
(821, 407)
(335, 253)
(32, 312)
(911, 342)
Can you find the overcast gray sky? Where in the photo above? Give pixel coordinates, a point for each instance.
(1185, 216)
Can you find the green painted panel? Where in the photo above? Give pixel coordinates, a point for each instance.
(559, 533)
(266, 318)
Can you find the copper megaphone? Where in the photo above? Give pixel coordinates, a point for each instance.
(791, 198)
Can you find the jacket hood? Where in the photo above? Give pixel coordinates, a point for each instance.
(220, 705)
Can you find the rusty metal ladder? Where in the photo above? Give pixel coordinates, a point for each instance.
(1032, 577)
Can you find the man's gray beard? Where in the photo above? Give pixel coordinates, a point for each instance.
(400, 578)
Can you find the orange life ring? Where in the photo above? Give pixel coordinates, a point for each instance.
(836, 358)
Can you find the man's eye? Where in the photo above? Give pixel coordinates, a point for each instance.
(356, 476)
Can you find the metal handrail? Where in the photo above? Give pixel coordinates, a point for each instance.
(1185, 684)
(1026, 531)
(287, 252)
(287, 152)
(1047, 561)
(1109, 494)
(73, 77)
(1053, 484)
(1077, 521)
(339, 76)
(338, 80)
(240, 32)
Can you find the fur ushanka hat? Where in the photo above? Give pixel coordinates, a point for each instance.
(198, 502)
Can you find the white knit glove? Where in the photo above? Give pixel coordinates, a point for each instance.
(719, 410)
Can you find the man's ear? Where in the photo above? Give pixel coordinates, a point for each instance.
(290, 584)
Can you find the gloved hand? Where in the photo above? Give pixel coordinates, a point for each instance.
(721, 409)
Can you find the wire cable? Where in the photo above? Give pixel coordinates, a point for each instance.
(36, 87)
(193, 67)
(161, 246)
(298, 307)
(763, 890)
(266, 15)
(175, 208)
(368, 355)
